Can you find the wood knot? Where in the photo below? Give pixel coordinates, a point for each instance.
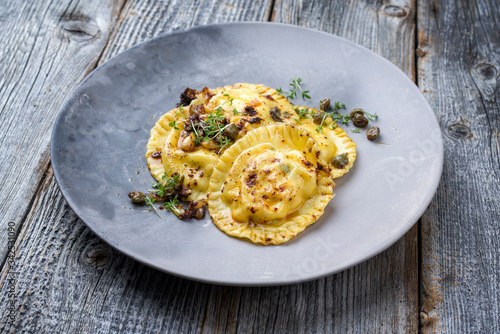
(434, 7)
(459, 131)
(487, 71)
(421, 53)
(79, 28)
(485, 77)
(98, 256)
(395, 11)
(428, 323)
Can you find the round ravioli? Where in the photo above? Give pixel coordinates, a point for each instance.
(176, 146)
(270, 185)
(332, 139)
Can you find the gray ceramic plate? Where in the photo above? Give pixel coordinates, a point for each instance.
(100, 135)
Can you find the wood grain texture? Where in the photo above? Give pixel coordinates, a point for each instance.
(144, 19)
(458, 70)
(69, 281)
(48, 47)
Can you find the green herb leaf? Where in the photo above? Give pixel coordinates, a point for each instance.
(171, 203)
(172, 124)
(303, 113)
(181, 112)
(370, 116)
(150, 202)
(320, 127)
(228, 99)
(294, 87)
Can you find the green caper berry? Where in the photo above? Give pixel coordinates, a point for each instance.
(340, 161)
(373, 133)
(356, 111)
(324, 105)
(231, 131)
(275, 114)
(137, 197)
(318, 117)
(359, 120)
(179, 181)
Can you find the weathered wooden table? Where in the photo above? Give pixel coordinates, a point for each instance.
(442, 276)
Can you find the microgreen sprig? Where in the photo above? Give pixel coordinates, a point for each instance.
(338, 105)
(228, 99)
(213, 128)
(370, 116)
(294, 87)
(302, 112)
(320, 127)
(173, 125)
(171, 204)
(164, 188)
(150, 202)
(181, 112)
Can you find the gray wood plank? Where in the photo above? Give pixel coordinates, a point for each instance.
(458, 67)
(48, 47)
(70, 281)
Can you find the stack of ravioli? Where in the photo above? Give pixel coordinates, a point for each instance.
(275, 178)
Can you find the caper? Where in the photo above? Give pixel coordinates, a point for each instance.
(359, 120)
(340, 161)
(156, 153)
(188, 127)
(318, 117)
(137, 197)
(275, 114)
(356, 111)
(372, 133)
(231, 131)
(169, 191)
(325, 104)
(178, 181)
(199, 213)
